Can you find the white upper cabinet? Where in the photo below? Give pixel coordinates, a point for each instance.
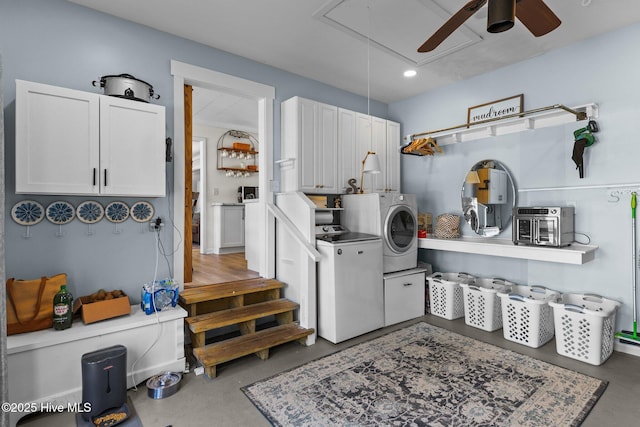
(57, 139)
(382, 137)
(309, 146)
(81, 143)
(323, 148)
(132, 148)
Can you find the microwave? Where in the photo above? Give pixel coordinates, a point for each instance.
(543, 226)
(247, 193)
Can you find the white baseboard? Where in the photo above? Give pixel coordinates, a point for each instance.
(626, 348)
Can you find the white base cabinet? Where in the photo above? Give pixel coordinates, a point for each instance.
(404, 295)
(228, 228)
(80, 143)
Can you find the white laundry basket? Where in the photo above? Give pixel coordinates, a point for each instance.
(445, 294)
(585, 326)
(482, 308)
(527, 317)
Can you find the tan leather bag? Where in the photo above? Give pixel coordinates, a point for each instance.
(30, 303)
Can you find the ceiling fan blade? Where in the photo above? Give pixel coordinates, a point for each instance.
(451, 25)
(537, 17)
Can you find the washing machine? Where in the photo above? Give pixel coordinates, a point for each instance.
(391, 216)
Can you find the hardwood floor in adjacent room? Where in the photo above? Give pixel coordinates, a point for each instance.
(212, 268)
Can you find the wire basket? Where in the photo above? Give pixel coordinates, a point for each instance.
(527, 317)
(482, 308)
(445, 294)
(585, 326)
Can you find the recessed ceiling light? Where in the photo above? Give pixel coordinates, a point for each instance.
(410, 73)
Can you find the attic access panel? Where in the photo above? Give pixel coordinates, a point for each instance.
(398, 28)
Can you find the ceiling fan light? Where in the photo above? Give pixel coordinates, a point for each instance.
(501, 15)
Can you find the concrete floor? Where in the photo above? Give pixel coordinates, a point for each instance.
(220, 402)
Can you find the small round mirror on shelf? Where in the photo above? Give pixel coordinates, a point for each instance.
(488, 198)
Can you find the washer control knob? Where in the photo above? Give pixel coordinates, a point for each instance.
(339, 251)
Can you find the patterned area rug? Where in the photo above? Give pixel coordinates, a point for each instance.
(426, 376)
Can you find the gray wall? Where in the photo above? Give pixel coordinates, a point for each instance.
(602, 70)
(60, 43)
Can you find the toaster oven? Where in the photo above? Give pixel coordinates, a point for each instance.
(543, 226)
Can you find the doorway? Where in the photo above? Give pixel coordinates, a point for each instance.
(219, 121)
(264, 95)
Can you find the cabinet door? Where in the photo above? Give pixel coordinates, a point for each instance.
(347, 162)
(393, 156)
(132, 148)
(379, 146)
(326, 145)
(307, 131)
(57, 140)
(403, 297)
(363, 145)
(232, 232)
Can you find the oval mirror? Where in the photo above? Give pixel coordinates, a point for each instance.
(488, 198)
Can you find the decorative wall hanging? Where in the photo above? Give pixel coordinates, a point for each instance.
(142, 211)
(90, 212)
(496, 109)
(27, 213)
(60, 213)
(117, 212)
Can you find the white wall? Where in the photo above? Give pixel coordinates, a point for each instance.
(603, 70)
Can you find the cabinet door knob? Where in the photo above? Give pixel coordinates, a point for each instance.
(105, 177)
(408, 284)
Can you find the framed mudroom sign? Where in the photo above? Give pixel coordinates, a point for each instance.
(495, 109)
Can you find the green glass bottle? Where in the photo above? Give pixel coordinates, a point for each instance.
(62, 309)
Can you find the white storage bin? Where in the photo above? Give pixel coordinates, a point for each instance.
(482, 308)
(585, 326)
(527, 317)
(445, 294)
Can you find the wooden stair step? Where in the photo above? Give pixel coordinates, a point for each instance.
(228, 289)
(232, 316)
(234, 348)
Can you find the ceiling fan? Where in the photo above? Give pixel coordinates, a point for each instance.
(534, 14)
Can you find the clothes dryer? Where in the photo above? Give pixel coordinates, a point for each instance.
(392, 216)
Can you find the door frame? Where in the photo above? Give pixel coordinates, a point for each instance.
(202, 198)
(202, 77)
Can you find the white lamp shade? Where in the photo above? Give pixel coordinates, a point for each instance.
(473, 178)
(371, 164)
